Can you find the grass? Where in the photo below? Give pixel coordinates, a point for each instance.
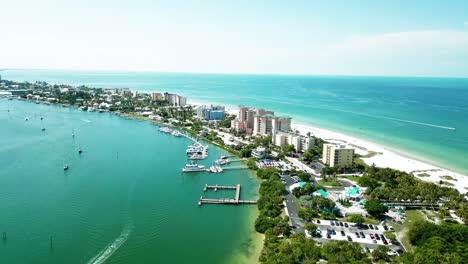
(371, 221)
(423, 175)
(448, 177)
(329, 183)
(413, 216)
(447, 183)
(352, 178)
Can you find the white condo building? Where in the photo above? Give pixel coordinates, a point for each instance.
(301, 143)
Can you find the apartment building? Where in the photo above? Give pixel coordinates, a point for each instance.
(337, 155)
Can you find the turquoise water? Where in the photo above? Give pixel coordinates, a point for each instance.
(411, 115)
(124, 200)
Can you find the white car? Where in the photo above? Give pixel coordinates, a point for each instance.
(393, 253)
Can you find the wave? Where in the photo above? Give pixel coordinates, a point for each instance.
(85, 120)
(110, 249)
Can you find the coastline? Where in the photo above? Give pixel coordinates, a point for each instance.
(383, 155)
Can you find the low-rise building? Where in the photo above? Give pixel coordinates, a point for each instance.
(259, 153)
(338, 155)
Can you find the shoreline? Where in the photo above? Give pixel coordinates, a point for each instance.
(383, 155)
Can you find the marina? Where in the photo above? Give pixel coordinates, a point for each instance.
(216, 187)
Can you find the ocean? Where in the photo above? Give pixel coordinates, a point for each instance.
(123, 200)
(424, 118)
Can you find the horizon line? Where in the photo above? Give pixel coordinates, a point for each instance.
(237, 73)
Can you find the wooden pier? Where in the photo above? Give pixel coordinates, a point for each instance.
(236, 200)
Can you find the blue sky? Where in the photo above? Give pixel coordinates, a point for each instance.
(416, 38)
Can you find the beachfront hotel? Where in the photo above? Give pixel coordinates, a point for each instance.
(260, 122)
(337, 155)
(209, 113)
(175, 100)
(301, 143)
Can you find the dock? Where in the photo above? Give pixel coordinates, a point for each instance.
(216, 187)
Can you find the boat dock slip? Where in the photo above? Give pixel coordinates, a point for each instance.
(236, 200)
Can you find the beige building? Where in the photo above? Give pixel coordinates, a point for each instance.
(337, 155)
(268, 124)
(301, 143)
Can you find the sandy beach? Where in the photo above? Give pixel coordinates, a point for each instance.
(383, 156)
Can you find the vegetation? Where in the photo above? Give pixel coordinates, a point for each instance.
(375, 208)
(329, 183)
(357, 219)
(343, 252)
(445, 243)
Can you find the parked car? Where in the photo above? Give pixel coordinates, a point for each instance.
(393, 253)
(349, 238)
(346, 225)
(332, 223)
(372, 236)
(371, 227)
(328, 236)
(357, 235)
(377, 236)
(318, 221)
(385, 228)
(362, 234)
(343, 233)
(368, 250)
(341, 223)
(376, 227)
(333, 232)
(391, 229)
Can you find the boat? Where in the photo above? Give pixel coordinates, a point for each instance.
(222, 161)
(65, 167)
(80, 150)
(165, 130)
(196, 156)
(176, 133)
(43, 129)
(193, 167)
(73, 133)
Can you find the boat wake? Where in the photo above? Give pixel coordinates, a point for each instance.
(85, 120)
(110, 249)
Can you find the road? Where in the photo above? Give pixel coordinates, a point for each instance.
(291, 206)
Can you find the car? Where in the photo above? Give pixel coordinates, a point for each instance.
(357, 235)
(392, 253)
(382, 236)
(328, 236)
(343, 233)
(333, 232)
(385, 228)
(384, 241)
(341, 223)
(391, 229)
(376, 227)
(346, 225)
(293, 227)
(337, 223)
(349, 238)
(318, 221)
(371, 227)
(362, 234)
(332, 223)
(400, 251)
(374, 241)
(377, 237)
(372, 236)
(368, 250)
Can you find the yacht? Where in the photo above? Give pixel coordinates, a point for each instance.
(176, 133)
(196, 156)
(65, 167)
(165, 130)
(193, 167)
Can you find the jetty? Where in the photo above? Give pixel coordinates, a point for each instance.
(216, 187)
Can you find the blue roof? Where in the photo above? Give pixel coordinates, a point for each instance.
(321, 192)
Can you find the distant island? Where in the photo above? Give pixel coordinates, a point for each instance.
(331, 202)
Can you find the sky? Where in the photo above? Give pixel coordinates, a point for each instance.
(374, 37)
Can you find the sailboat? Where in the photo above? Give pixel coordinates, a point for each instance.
(73, 132)
(43, 128)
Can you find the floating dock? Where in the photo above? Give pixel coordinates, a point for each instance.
(216, 187)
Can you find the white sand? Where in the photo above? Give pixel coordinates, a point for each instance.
(385, 157)
(389, 158)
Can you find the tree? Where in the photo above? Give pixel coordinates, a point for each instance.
(304, 176)
(311, 227)
(390, 235)
(380, 254)
(343, 252)
(375, 208)
(251, 164)
(357, 219)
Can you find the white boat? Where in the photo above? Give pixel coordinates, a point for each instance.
(176, 133)
(222, 161)
(165, 130)
(193, 167)
(196, 156)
